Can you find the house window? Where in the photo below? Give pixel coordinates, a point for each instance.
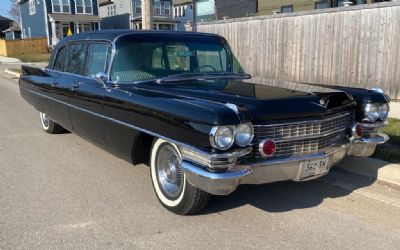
(84, 7)
(111, 10)
(287, 9)
(61, 6)
(32, 7)
(167, 8)
(322, 5)
(157, 7)
(138, 6)
(183, 11)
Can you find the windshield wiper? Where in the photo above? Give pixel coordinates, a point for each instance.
(199, 76)
(195, 76)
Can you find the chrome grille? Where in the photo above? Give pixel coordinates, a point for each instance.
(304, 137)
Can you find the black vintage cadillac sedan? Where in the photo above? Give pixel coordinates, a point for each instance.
(181, 103)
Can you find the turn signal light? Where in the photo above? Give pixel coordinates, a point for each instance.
(267, 148)
(357, 130)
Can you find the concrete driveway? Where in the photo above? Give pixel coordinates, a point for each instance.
(61, 192)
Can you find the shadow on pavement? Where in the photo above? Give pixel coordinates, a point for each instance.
(284, 196)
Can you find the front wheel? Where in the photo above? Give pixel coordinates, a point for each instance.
(170, 185)
(50, 126)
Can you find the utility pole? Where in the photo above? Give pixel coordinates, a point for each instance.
(147, 14)
(194, 23)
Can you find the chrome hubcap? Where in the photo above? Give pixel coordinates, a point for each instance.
(45, 119)
(169, 171)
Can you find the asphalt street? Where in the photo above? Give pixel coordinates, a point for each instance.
(61, 192)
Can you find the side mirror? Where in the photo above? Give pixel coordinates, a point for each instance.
(101, 78)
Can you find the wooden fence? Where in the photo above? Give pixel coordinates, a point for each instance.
(350, 46)
(24, 46)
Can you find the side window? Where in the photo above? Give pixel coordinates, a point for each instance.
(179, 57)
(157, 61)
(76, 58)
(98, 59)
(211, 60)
(60, 57)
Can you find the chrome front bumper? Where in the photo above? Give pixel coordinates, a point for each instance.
(260, 171)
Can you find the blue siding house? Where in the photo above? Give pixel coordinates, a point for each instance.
(54, 19)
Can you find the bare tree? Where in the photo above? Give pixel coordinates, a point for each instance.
(14, 11)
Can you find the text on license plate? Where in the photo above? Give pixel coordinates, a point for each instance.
(314, 167)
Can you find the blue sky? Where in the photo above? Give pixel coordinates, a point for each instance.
(4, 7)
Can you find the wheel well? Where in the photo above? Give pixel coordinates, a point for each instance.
(141, 149)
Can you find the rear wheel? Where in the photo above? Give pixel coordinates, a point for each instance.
(50, 126)
(169, 182)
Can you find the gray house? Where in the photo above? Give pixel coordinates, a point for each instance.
(127, 14)
(55, 19)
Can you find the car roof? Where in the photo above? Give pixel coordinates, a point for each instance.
(112, 35)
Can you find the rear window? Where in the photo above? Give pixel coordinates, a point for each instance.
(59, 62)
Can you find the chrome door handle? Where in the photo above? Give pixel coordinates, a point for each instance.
(53, 84)
(76, 84)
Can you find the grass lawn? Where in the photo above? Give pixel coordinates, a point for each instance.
(390, 151)
(33, 57)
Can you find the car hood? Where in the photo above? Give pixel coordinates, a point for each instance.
(257, 102)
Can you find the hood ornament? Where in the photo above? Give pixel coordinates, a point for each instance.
(232, 107)
(322, 103)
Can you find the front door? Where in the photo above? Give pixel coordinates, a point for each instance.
(84, 61)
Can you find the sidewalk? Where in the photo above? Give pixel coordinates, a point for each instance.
(4, 59)
(395, 110)
(371, 167)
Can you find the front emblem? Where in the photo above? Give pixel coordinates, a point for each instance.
(322, 103)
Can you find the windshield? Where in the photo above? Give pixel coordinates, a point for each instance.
(151, 57)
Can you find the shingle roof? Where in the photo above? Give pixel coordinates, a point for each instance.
(105, 2)
(180, 2)
(15, 27)
(5, 19)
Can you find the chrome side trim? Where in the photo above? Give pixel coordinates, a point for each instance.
(191, 153)
(113, 120)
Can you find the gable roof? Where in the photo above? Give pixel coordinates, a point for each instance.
(105, 2)
(15, 27)
(180, 2)
(5, 20)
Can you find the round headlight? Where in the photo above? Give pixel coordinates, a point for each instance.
(222, 137)
(383, 111)
(244, 134)
(371, 112)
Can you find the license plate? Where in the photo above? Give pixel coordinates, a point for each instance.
(314, 167)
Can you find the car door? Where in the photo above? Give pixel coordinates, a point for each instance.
(84, 61)
(58, 91)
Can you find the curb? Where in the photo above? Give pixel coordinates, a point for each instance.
(394, 110)
(370, 167)
(13, 73)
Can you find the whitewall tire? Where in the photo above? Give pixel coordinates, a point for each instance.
(169, 182)
(50, 126)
